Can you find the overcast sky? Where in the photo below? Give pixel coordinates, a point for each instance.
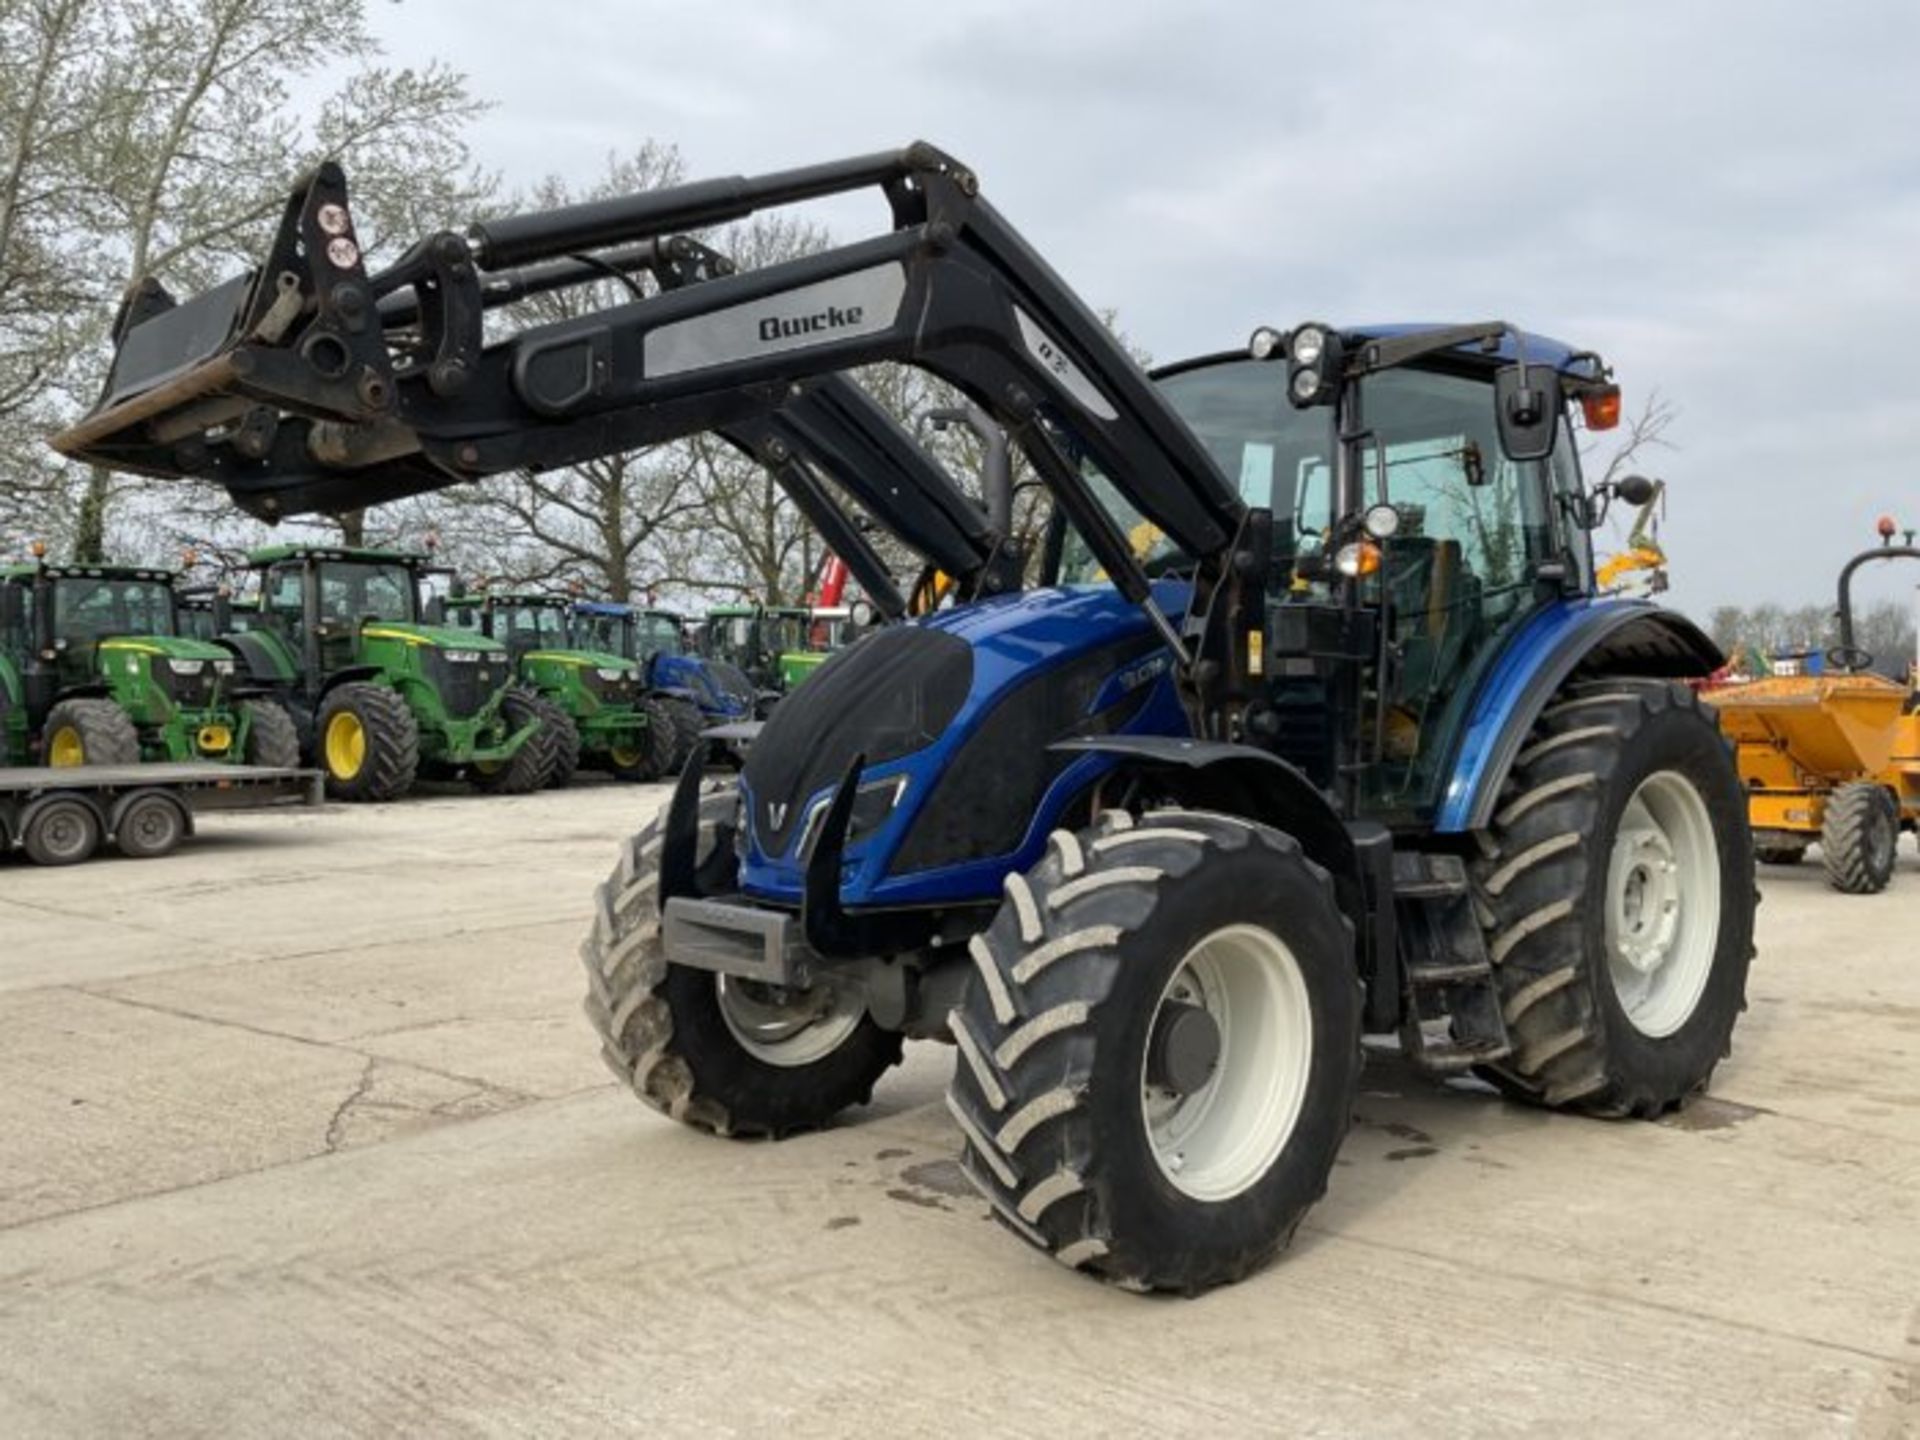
(1724, 199)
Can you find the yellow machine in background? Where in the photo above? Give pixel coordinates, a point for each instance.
(1833, 757)
(1640, 569)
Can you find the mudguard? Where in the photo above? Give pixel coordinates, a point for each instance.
(1584, 637)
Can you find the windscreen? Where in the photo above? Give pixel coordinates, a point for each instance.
(659, 635)
(85, 608)
(352, 591)
(1279, 457)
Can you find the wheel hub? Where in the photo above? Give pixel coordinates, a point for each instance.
(1646, 899)
(1184, 1049)
(788, 1027)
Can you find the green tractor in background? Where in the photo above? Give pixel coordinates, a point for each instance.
(380, 693)
(94, 671)
(773, 645)
(596, 700)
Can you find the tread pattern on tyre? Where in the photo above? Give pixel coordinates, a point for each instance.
(393, 742)
(688, 722)
(1024, 1031)
(1543, 833)
(1847, 838)
(563, 740)
(529, 767)
(627, 970)
(107, 733)
(272, 739)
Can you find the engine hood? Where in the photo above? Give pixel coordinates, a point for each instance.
(953, 716)
(585, 659)
(171, 647)
(443, 637)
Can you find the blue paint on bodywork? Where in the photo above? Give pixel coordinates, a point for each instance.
(1550, 642)
(1014, 640)
(1540, 349)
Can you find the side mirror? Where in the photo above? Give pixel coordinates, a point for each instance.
(1635, 489)
(12, 609)
(1526, 405)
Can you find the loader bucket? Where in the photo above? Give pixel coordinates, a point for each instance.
(1836, 727)
(299, 333)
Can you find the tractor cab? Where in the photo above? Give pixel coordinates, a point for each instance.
(376, 687)
(96, 669)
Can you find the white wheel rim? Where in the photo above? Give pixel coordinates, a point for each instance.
(1662, 904)
(791, 1029)
(1219, 1140)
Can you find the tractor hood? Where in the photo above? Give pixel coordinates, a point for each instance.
(953, 717)
(443, 637)
(171, 647)
(585, 659)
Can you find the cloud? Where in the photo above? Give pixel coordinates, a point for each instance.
(1722, 199)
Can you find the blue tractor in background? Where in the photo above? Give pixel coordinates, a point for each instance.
(718, 693)
(1312, 728)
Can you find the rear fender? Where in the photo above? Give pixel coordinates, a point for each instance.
(1565, 642)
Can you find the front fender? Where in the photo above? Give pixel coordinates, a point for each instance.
(1579, 638)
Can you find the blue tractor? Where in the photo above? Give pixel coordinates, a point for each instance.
(1313, 728)
(657, 640)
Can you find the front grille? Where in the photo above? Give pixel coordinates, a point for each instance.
(187, 692)
(466, 687)
(984, 800)
(888, 696)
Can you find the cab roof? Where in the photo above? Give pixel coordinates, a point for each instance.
(88, 572)
(274, 554)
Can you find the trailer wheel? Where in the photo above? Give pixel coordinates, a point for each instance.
(563, 738)
(60, 830)
(89, 732)
(1616, 890)
(148, 826)
(718, 1054)
(1860, 838)
(272, 740)
(527, 769)
(1160, 1048)
(367, 741)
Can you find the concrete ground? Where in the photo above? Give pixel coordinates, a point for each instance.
(301, 1131)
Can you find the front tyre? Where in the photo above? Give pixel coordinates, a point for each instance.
(89, 732)
(367, 741)
(1860, 838)
(563, 740)
(717, 1053)
(272, 740)
(1616, 891)
(1160, 1050)
(528, 768)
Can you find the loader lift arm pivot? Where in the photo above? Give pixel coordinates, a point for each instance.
(298, 403)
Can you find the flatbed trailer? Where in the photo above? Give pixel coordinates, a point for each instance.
(62, 815)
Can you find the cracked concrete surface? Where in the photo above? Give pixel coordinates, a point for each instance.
(301, 1127)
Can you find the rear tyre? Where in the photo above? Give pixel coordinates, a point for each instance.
(1860, 838)
(61, 831)
(720, 1055)
(89, 732)
(563, 737)
(527, 769)
(368, 742)
(1616, 891)
(271, 739)
(149, 826)
(648, 755)
(1774, 850)
(1160, 1049)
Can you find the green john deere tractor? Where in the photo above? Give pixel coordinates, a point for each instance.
(596, 701)
(771, 644)
(94, 671)
(379, 694)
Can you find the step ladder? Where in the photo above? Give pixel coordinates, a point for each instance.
(1452, 1018)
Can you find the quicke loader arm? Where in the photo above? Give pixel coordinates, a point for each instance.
(283, 385)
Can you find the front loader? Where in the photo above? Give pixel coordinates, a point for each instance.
(95, 669)
(1318, 731)
(379, 693)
